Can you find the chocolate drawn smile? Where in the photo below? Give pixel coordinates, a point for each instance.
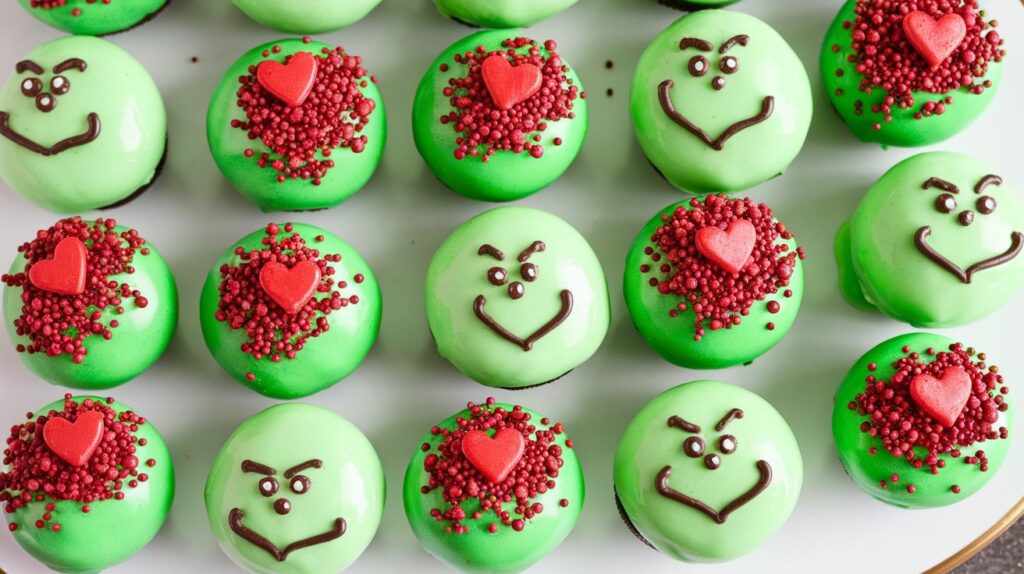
(89, 135)
(921, 241)
(235, 522)
(719, 516)
(527, 343)
(665, 98)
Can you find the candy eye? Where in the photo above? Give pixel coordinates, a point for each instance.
(945, 203)
(698, 66)
(300, 484)
(31, 87)
(986, 204)
(528, 271)
(729, 64)
(60, 85)
(497, 276)
(268, 486)
(693, 447)
(727, 444)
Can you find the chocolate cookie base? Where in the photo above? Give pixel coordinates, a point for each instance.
(629, 523)
(138, 192)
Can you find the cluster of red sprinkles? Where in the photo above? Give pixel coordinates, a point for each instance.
(885, 59)
(906, 432)
(718, 299)
(332, 116)
(59, 324)
(36, 474)
(51, 4)
(272, 332)
(459, 481)
(483, 127)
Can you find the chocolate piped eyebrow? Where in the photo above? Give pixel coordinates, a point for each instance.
(29, 65)
(986, 181)
(683, 424)
(71, 63)
(488, 249)
(741, 39)
(697, 43)
(252, 466)
(535, 247)
(939, 183)
(728, 418)
(315, 463)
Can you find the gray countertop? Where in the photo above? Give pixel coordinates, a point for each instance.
(1002, 556)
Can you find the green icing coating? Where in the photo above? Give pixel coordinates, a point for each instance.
(903, 130)
(132, 127)
(86, 542)
(459, 275)
(501, 13)
(348, 484)
(672, 337)
(766, 73)
(651, 444)
(351, 170)
(506, 176)
(877, 247)
(867, 470)
(697, 4)
(505, 551)
(97, 18)
(139, 340)
(306, 16)
(324, 360)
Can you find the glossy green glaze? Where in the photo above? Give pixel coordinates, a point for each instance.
(348, 485)
(97, 18)
(306, 16)
(351, 170)
(869, 470)
(132, 127)
(697, 4)
(501, 13)
(458, 275)
(650, 444)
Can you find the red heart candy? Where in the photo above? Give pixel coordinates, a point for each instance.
(494, 457)
(730, 249)
(942, 399)
(291, 82)
(934, 39)
(509, 86)
(290, 288)
(65, 273)
(74, 441)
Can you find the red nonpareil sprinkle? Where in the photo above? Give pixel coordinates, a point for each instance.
(51, 4)
(58, 324)
(483, 127)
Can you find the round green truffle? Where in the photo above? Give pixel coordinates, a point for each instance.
(296, 489)
(707, 471)
(501, 13)
(516, 297)
(720, 102)
(306, 16)
(82, 125)
(92, 18)
(935, 242)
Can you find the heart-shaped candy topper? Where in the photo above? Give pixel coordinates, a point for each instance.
(494, 457)
(74, 441)
(942, 399)
(291, 82)
(730, 249)
(65, 273)
(290, 288)
(934, 39)
(509, 85)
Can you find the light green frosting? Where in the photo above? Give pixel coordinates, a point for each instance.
(351, 170)
(869, 470)
(458, 274)
(650, 445)
(97, 18)
(133, 128)
(113, 530)
(348, 485)
(767, 67)
(877, 248)
(505, 551)
(698, 4)
(501, 13)
(903, 130)
(324, 360)
(139, 340)
(306, 16)
(672, 337)
(506, 176)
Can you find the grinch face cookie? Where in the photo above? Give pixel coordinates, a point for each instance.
(501, 13)
(936, 242)
(296, 489)
(92, 18)
(947, 424)
(82, 126)
(516, 297)
(306, 16)
(720, 102)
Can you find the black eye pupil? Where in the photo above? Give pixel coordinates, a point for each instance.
(529, 271)
(986, 204)
(60, 85)
(268, 487)
(698, 66)
(300, 484)
(497, 276)
(693, 447)
(945, 203)
(727, 444)
(729, 64)
(31, 87)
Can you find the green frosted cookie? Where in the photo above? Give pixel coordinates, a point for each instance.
(731, 258)
(516, 297)
(296, 489)
(945, 66)
(123, 483)
(720, 102)
(707, 471)
(280, 90)
(501, 13)
(947, 426)
(306, 16)
(934, 243)
(490, 451)
(82, 125)
(290, 310)
(63, 275)
(501, 124)
(694, 5)
(92, 17)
